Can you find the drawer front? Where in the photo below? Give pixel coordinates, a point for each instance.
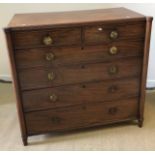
(49, 77)
(53, 37)
(81, 116)
(61, 56)
(81, 93)
(109, 33)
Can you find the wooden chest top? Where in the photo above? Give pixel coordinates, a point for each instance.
(22, 21)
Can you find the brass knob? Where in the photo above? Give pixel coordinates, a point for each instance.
(114, 35)
(50, 56)
(51, 76)
(53, 98)
(113, 50)
(113, 70)
(47, 40)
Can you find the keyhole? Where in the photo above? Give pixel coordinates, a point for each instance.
(83, 66)
(84, 107)
(83, 86)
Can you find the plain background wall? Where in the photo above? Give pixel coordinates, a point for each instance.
(8, 10)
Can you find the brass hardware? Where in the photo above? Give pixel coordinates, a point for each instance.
(113, 70)
(113, 50)
(113, 110)
(53, 98)
(51, 76)
(50, 56)
(47, 40)
(55, 120)
(114, 35)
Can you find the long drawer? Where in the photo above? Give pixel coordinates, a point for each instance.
(60, 56)
(100, 34)
(96, 92)
(51, 37)
(81, 116)
(56, 76)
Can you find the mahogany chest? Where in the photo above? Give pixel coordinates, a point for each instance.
(78, 69)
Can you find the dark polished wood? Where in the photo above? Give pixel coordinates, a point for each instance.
(80, 93)
(84, 115)
(63, 56)
(38, 77)
(59, 19)
(78, 69)
(144, 71)
(16, 86)
(64, 36)
(100, 34)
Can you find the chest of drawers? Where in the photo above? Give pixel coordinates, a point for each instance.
(78, 69)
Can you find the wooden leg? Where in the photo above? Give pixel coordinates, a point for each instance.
(140, 123)
(25, 141)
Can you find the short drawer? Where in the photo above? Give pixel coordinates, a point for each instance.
(100, 34)
(96, 92)
(81, 116)
(60, 56)
(57, 76)
(53, 37)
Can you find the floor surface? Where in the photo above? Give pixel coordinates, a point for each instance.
(125, 136)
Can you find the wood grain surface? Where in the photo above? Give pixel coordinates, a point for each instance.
(30, 20)
(76, 81)
(38, 78)
(63, 56)
(96, 92)
(81, 116)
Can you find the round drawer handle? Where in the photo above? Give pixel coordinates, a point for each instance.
(50, 56)
(114, 35)
(53, 98)
(47, 40)
(113, 50)
(51, 76)
(113, 110)
(113, 70)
